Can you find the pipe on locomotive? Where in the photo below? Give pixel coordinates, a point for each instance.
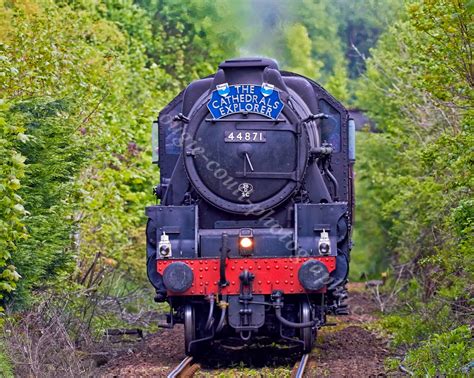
(223, 304)
(210, 317)
(319, 150)
(332, 179)
(277, 297)
(290, 324)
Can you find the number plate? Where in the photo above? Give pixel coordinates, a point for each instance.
(242, 136)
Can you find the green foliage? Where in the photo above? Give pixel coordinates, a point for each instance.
(192, 37)
(418, 88)
(370, 254)
(443, 354)
(313, 38)
(6, 366)
(359, 27)
(43, 106)
(86, 94)
(12, 170)
(409, 329)
(54, 156)
(298, 45)
(433, 139)
(321, 20)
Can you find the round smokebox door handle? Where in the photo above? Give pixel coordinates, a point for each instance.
(178, 277)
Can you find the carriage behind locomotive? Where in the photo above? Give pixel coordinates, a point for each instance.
(252, 235)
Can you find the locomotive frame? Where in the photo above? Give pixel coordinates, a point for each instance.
(262, 248)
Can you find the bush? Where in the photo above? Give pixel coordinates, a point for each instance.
(39, 344)
(418, 88)
(6, 365)
(443, 354)
(12, 170)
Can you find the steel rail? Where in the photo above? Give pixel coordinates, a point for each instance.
(175, 373)
(302, 366)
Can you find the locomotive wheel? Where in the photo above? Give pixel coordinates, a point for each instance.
(189, 329)
(307, 335)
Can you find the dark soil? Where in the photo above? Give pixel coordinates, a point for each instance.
(350, 352)
(347, 349)
(155, 356)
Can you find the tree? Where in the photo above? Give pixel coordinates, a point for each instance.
(192, 37)
(419, 89)
(81, 94)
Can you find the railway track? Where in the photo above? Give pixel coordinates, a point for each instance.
(187, 368)
(298, 370)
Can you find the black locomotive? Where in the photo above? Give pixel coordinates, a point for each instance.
(253, 232)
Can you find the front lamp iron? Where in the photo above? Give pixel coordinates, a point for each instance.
(164, 247)
(324, 245)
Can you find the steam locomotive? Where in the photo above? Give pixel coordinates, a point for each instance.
(253, 232)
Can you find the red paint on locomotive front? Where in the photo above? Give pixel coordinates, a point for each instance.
(270, 274)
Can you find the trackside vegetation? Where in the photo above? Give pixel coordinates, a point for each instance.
(419, 89)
